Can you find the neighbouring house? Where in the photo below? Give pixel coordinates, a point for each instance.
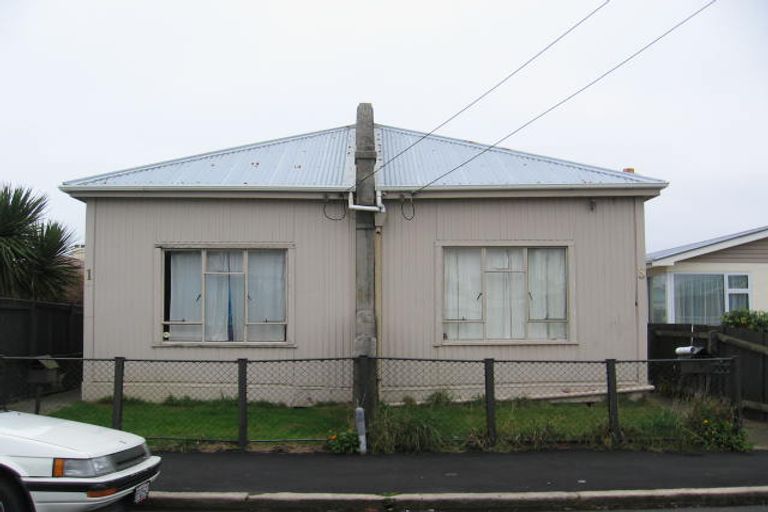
(255, 252)
(698, 282)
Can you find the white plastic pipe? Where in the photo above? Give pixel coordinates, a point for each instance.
(361, 433)
(365, 208)
(380, 203)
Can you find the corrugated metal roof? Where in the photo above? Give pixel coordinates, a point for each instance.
(324, 161)
(497, 168)
(674, 251)
(321, 160)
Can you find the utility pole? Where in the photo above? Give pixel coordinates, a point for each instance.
(365, 374)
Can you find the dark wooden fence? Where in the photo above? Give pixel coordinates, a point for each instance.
(663, 339)
(749, 347)
(29, 328)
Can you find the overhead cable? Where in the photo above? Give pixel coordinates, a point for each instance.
(567, 98)
(486, 93)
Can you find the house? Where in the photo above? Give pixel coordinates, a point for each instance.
(698, 282)
(255, 252)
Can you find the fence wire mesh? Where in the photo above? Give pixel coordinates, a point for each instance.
(301, 382)
(517, 403)
(425, 380)
(181, 399)
(690, 402)
(550, 380)
(683, 378)
(47, 384)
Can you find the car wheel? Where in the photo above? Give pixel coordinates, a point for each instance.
(11, 498)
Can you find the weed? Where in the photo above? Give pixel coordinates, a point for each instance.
(710, 424)
(343, 443)
(440, 397)
(403, 429)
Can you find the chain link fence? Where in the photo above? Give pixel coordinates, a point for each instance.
(247, 401)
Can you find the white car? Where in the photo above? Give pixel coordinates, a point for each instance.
(53, 465)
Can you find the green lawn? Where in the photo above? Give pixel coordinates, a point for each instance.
(215, 420)
(520, 424)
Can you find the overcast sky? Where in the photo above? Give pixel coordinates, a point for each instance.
(94, 86)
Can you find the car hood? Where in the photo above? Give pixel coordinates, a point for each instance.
(70, 436)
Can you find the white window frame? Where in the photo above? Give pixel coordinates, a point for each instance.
(672, 313)
(738, 291)
(570, 279)
(159, 295)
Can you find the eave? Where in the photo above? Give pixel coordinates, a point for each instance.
(670, 260)
(646, 190)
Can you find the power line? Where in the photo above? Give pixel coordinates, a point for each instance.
(486, 93)
(567, 98)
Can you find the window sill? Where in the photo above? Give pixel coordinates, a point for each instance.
(222, 344)
(497, 343)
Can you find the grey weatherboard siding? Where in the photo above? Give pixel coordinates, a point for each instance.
(272, 195)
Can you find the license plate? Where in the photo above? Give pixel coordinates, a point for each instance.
(141, 492)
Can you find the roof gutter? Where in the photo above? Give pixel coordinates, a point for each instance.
(538, 186)
(198, 188)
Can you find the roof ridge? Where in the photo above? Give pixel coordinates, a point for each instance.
(530, 156)
(202, 156)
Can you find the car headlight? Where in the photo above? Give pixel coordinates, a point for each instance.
(83, 468)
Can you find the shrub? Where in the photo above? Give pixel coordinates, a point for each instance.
(754, 320)
(711, 424)
(343, 443)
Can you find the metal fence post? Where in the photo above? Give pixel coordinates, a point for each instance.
(372, 390)
(242, 402)
(490, 400)
(33, 330)
(358, 377)
(712, 341)
(117, 394)
(613, 402)
(3, 383)
(736, 390)
(38, 397)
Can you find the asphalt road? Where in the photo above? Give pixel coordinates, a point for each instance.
(466, 472)
(757, 508)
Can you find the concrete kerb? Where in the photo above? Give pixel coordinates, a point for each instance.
(198, 500)
(583, 500)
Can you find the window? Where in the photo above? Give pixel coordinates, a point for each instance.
(703, 298)
(225, 295)
(504, 293)
(738, 292)
(698, 298)
(657, 295)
